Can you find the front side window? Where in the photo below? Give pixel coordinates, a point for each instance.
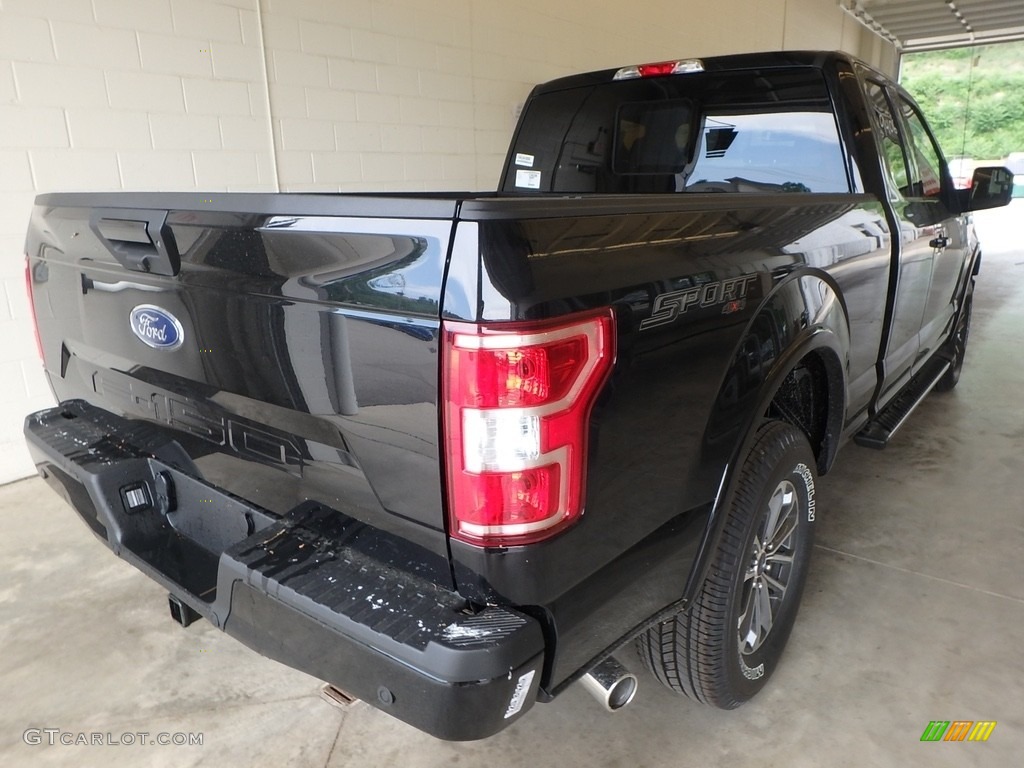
(894, 160)
(910, 159)
(927, 180)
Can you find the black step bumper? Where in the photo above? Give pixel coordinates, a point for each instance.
(297, 588)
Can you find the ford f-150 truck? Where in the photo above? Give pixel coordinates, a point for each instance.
(451, 452)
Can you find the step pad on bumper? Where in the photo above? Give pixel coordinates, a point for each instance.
(299, 561)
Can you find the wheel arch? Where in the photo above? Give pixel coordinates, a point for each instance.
(804, 326)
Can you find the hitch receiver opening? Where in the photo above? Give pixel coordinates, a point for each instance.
(181, 612)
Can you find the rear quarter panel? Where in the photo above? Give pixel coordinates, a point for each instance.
(709, 297)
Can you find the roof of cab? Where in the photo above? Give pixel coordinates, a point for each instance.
(763, 60)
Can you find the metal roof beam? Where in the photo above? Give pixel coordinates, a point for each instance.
(930, 24)
(943, 42)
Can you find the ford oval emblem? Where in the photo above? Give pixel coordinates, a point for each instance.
(157, 327)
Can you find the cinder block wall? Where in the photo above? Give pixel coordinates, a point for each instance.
(326, 95)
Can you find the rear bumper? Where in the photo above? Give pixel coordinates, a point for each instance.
(311, 589)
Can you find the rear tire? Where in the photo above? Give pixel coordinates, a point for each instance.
(725, 647)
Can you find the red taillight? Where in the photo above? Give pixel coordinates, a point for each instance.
(517, 402)
(32, 305)
(515, 377)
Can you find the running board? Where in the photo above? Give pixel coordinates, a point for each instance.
(885, 424)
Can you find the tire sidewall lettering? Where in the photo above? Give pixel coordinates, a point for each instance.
(805, 474)
(751, 673)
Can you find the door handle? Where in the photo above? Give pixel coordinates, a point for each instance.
(940, 241)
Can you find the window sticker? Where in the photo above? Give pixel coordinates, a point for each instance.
(528, 179)
(524, 160)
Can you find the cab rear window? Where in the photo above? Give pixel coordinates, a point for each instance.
(747, 131)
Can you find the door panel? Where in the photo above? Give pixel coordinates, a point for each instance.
(929, 251)
(911, 255)
(944, 228)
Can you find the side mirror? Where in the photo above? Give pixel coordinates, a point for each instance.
(991, 187)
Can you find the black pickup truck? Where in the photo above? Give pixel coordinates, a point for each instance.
(453, 452)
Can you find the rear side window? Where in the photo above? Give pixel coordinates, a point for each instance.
(746, 131)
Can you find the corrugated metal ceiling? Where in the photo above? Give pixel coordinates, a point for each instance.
(916, 25)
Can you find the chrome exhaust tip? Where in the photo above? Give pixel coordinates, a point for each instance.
(611, 684)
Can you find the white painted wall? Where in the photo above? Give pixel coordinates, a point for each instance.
(349, 95)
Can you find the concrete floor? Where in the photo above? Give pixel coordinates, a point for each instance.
(913, 612)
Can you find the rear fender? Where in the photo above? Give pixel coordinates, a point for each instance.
(804, 316)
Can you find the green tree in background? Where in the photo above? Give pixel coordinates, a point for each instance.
(973, 97)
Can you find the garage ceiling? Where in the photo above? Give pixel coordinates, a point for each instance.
(918, 25)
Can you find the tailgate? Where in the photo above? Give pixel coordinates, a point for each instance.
(286, 344)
